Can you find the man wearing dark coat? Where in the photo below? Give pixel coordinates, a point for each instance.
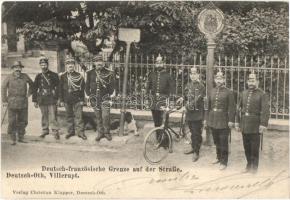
(72, 96)
(252, 119)
(194, 95)
(160, 86)
(221, 118)
(100, 87)
(45, 96)
(15, 94)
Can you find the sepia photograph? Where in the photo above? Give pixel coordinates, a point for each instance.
(144, 100)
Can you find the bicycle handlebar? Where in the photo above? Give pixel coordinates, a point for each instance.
(167, 109)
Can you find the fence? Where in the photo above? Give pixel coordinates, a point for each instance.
(273, 74)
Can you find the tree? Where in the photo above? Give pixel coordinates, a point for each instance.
(166, 27)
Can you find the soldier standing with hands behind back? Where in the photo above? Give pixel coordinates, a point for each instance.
(45, 96)
(253, 107)
(15, 97)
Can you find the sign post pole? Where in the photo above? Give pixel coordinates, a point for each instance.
(124, 90)
(210, 23)
(127, 35)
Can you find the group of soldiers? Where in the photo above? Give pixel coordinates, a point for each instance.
(249, 115)
(50, 90)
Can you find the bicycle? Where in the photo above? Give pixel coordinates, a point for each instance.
(159, 141)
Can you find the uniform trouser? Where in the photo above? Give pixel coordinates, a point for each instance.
(158, 118)
(103, 119)
(74, 117)
(251, 143)
(48, 118)
(220, 138)
(195, 128)
(17, 122)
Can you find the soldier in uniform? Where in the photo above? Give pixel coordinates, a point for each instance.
(45, 97)
(194, 95)
(220, 118)
(100, 87)
(160, 85)
(253, 108)
(72, 95)
(15, 96)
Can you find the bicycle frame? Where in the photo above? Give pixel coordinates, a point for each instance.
(166, 126)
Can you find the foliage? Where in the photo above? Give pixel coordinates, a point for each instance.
(167, 27)
(259, 32)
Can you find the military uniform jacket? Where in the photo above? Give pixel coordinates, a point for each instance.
(100, 85)
(194, 95)
(221, 108)
(69, 94)
(253, 110)
(16, 87)
(46, 88)
(160, 84)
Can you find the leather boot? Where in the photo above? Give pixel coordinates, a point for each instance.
(69, 135)
(100, 135)
(20, 139)
(56, 134)
(13, 138)
(43, 135)
(108, 136)
(83, 136)
(195, 157)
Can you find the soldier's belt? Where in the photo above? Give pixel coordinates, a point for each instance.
(218, 110)
(250, 114)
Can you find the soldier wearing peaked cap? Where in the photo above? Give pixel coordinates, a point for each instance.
(160, 85)
(252, 119)
(72, 95)
(221, 118)
(194, 95)
(100, 86)
(15, 94)
(45, 96)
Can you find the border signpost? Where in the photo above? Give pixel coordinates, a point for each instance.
(127, 35)
(210, 23)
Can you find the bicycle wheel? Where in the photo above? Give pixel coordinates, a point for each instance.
(156, 145)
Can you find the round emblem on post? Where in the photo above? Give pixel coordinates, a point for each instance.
(211, 22)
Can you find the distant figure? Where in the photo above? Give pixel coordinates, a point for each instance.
(15, 95)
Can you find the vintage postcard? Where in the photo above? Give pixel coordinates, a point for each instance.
(144, 100)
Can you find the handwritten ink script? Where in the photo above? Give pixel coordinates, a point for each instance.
(239, 184)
